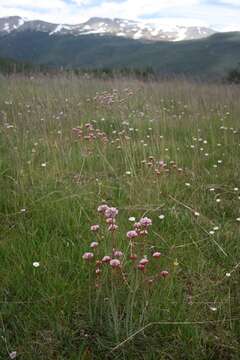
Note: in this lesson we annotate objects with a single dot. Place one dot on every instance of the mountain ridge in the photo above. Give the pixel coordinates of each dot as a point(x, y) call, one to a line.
point(105, 26)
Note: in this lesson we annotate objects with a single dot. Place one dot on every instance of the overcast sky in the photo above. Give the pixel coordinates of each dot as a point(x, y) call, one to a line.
point(220, 14)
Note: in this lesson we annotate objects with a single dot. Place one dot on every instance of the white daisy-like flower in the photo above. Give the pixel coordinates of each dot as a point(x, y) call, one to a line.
point(132, 219)
point(213, 308)
point(13, 355)
point(36, 264)
point(161, 217)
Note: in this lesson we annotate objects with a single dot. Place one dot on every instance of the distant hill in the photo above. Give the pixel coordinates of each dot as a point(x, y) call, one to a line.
point(212, 56)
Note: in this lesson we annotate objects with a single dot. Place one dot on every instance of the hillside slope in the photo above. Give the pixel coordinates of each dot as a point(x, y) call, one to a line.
point(211, 56)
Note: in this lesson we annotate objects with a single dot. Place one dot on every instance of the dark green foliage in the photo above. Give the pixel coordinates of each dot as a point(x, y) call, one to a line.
point(234, 75)
point(9, 66)
point(213, 56)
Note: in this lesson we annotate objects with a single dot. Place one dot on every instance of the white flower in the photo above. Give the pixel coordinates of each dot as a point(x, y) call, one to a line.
point(13, 355)
point(238, 219)
point(132, 219)
point(36, 264)
point(228, 274)
point(216, 228)
point(161, 217)
point(196, 213)
point(218, 200)
point(211, 232)
point(187, 184)
point(43, 164)
point(213, 308)
point(128, 172)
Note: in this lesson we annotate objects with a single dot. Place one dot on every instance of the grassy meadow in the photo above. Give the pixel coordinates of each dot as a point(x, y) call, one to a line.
point(166, 151)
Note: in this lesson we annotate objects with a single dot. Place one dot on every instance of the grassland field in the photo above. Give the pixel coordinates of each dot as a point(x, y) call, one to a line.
point(167, 151)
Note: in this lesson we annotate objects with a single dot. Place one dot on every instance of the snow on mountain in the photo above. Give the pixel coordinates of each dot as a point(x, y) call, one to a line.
point(105, 26)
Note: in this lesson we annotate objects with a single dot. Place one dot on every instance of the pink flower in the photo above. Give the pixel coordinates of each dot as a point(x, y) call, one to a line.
point(132, 234)
point(157, 254)
point(118, 253)
point(145, 221)
point(88, 256)
point(94, 244)
point(110, 221)
point(115, 263)
point(98, 271)
point(141, 267)
point(106, 259)
point(102, 208)
point(111, 212)
point(137, 225)
point(144, 261)
point(95, 227)
point(143, 232)
point(112, 227)
point(164, 273)
point(133, 257)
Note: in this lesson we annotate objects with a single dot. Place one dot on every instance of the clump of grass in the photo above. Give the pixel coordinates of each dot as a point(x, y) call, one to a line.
point(168, 152)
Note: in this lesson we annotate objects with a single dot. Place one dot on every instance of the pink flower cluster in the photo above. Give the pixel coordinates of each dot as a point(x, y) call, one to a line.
point(116, 258)
point(89, 133)
point(140, 228)
point(110, 214)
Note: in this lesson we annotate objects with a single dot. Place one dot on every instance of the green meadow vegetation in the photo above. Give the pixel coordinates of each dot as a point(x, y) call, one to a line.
point(167, 151)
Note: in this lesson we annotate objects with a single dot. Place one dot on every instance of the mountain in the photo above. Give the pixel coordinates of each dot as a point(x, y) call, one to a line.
point(105, 26)
point(209, 57)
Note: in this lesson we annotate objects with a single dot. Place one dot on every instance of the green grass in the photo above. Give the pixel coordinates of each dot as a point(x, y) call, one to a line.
point(55, 311)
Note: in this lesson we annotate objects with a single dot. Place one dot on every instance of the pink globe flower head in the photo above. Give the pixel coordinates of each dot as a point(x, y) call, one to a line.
point(88, 256)
point(112, 227)
point(144, 261)
point(117, 253)
point(132, 234)
point(133, 257)
point(95, 227)
point(106, 259)
point(94, 244)
point(110, 221)
point(102, 208)
point(98, 271)
point(164, 273)
point(141, 267)
point(143, 232)
point(115, 263)
point(157, 254)
point(145, 222)
point(111, 212)
point(137, 225)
